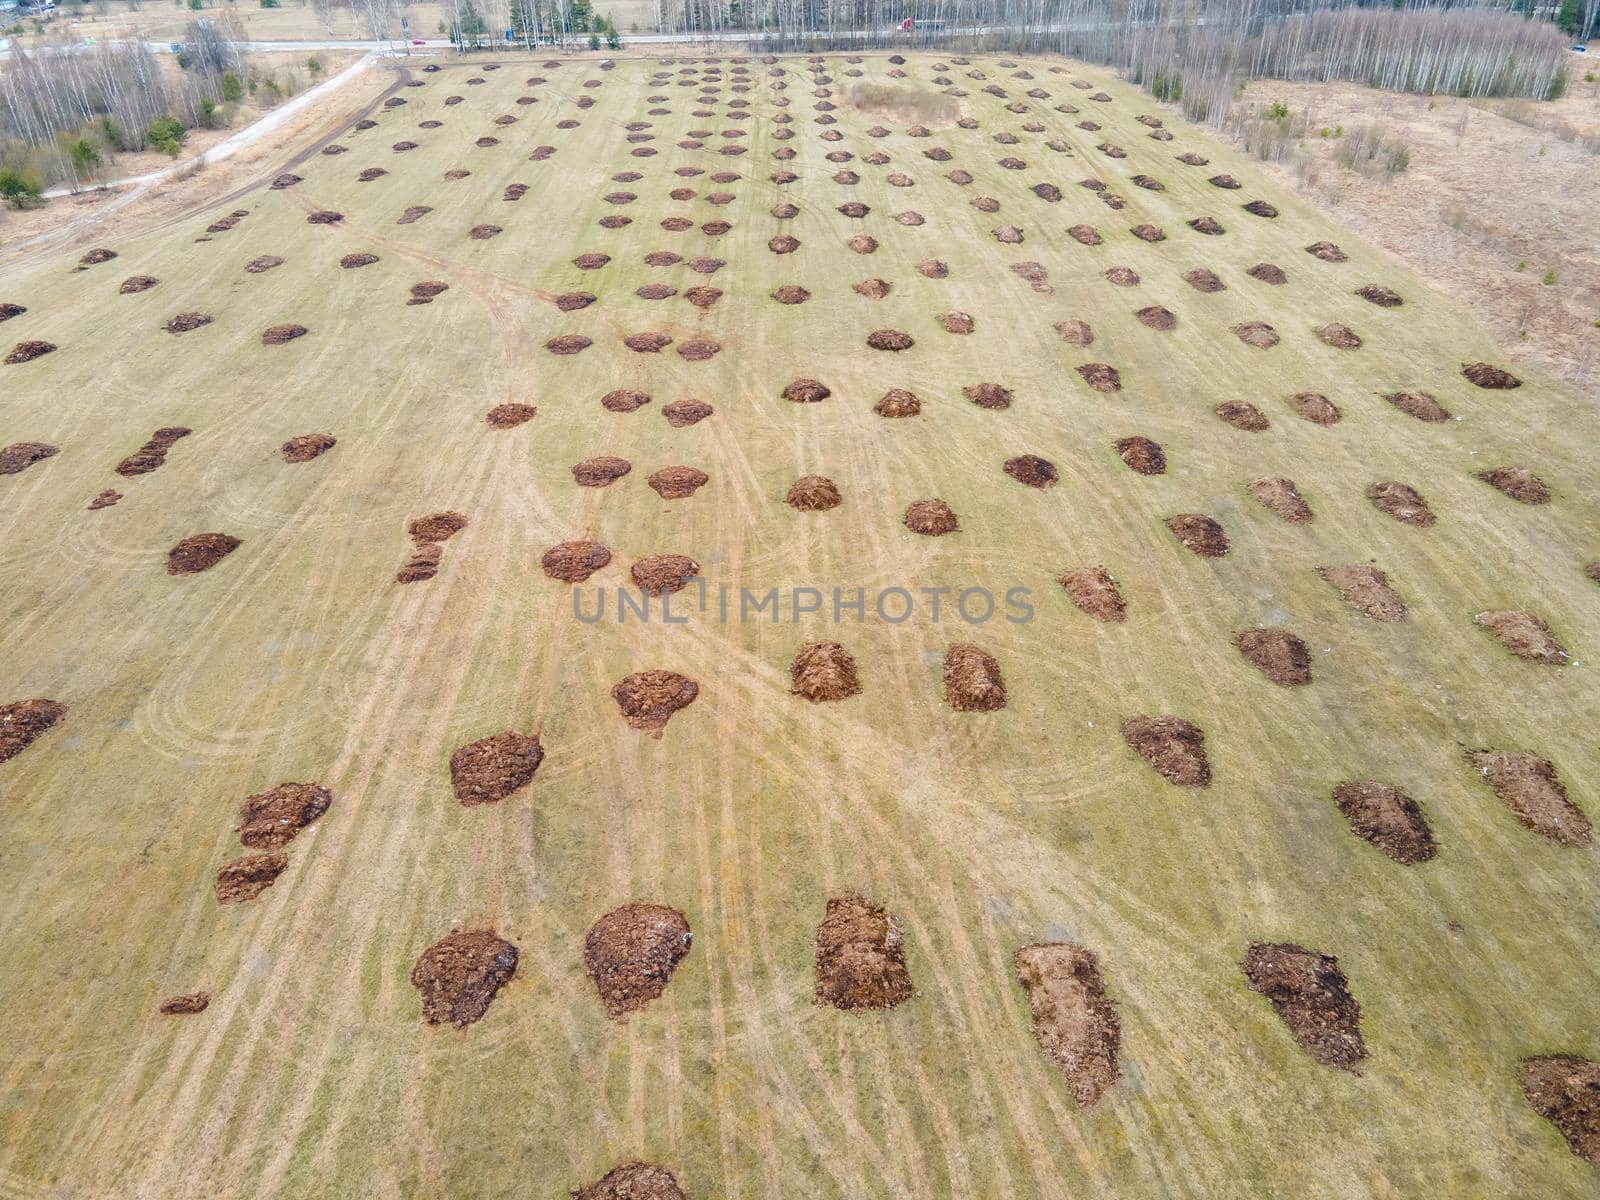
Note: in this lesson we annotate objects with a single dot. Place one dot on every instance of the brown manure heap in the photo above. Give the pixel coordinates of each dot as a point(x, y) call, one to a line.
point(19, 456)
point(930, 517)
point(824, 671)
point(630, 954)
point(1388, 818)
point(1327, 252)
point(1420, 405)
point(1095, 593)
point(1156, 317)
point(1268, 273)
point(791, 293)
point(681, 413)
point(459, 975)
point(660, 574)
point(270, 820)
point(1075, 332)
point(490, 769)
point(185, 1005)
point(23, 722)
point(1525, 635)
point(568, 343)
point(624, 400)
point(988, 395)
point(1366, 589)
point(814, 493)
point(278, 335)
point(1102, 377)
point(648, 699)
point(1402, 502)
point(1256, 333)
point(1565, 1090)
point(134, 284)
point(1199, 533)
point(1204, 280)
point(1529, 786)
point(509, 415)
point(1276, 653)
point(897, 402)
point(247, 877)
point(1316, 408)
point(972, 681)
point(860, 956)
point(1312, 996)
point(677, 483)
point(1073, 1020)
point(889, 339)
point(1486, 376)
point(1341, 337)
point(1381, 296)
point(600, 471)
point(806, 391)
point(307, 446)
point(1282, 498)
point(574, 562)
point(633, 1181)
point(1141, 455)
point(956, 322)
point(1032, 470)
point(1521, 484)
point(24, 352)
point(1174, 748)
point(199, 553)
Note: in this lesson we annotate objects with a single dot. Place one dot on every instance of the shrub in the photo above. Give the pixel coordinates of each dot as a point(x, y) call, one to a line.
point(20, 189)
point(232, 88)
point(167, 135)
point(1278, 111)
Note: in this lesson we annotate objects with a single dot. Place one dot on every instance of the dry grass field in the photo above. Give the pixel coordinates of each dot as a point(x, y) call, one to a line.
point(299, 657)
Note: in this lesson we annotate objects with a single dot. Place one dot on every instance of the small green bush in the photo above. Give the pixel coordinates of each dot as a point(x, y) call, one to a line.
point(167, 135)
point(20, 189)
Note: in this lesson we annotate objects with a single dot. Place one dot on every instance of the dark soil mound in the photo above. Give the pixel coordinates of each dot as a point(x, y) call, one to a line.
point(1341, 337)
point(1094, 591)
point(1203, 280)
point(1277, 654)
point(1148, 183)
point(137, 283)
point(647, 343)
point(1032, 470)
point(572, 301)
point(988, 395)
point(19, 456)
point(1418, 404)
point(247, 877)
point(600, 471)
point(630, 954)
point(1312, 996)
point(1403, 503)
point(616, 221)
point(889, 339)
point(104, 500)
point(931, 517)
point(413, 214)
point(1075, 1023)
point(1224, 181)
point(1282, 497)
point(660, 574)
point(860, 956)
point(1256, 333)
point(1260, 208)
point(1047, 191)
point(1521, 484)
point(624, 400)
point(1529, 786)
point(686, 412)
point(436, 527)
point(459, 975)
point(482, 233)
point(95, 257)
point(270, 820)
point(1565, 1090)
point(854, 209)
point(422, 565)
point(957, 322)
point(1122, 276)
point(510, 415)
point(28, 351)
point(277, 335)
point(897, 402)
point(492, 768)
point(633, 1181)
point(258, 266)
point(676, 483)
point(351, 261)
point(655, 291)
point(24, 721)
point(1381, 296)
point(699, 349)
point(1142, 455)
point(824, 671)
point(1008, 235)
point(863, 243)
point(1207, 225)
point(1486, 376)
point(1190, 158)
point(1175, 748)
point(791, 293)
point(806, 391)
point(705, 265)
point(370, 174)
point(1525, 635)
point(1087, 235)
point(814, 493)
point(1242, 415)
point(1199, 533)
point(1366, 589)
point(185, 1005)
point(324, 217)
point(591, 261)
point(701, 297)
point(1388, 818)
point(186, 321)
point(1327, 252)
point(972, 680)
point(1149, 233)
point(1156, 317)
point(200, 553)
point(286, 180)
point(783, 244)
point(1316, 408)
point(648, 699)
point(568, 343)
point(1268, 273)
point(1075, 332)
point(514, 192)
point(574, 562)
point(306, 446)
point(872, 289)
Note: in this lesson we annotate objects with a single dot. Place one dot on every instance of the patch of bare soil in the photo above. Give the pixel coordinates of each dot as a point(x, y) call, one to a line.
point(1282, 497)
point(104, 499)
point(860, 956)
point(24, 352)
point(630, 954)
point(1521, 484)
point(1141, 455)
point(19, 456)
point(247, 877)
point(1316, 408)
point(1312, 996)
point(270, 820)
point(1256, 333)
point(1405, 504)
point(814, 493)
point(633, 1181)
point(1199, 534)
point(199, 553)
point(1073, 1020)
point(677, 483)
point(492, 768)
point(509, 415)
point(1340, 337)
point(686, 412)
point(306, 446)
point(1276, 653)
point(648, 699)
point(1366, 589)
point(185, 1005)
point(1418, 404)
point(1242, 415)
point(1388, 818)
point(574, 562)
point(1486, 376)
point(972, 680)
point(1094, 592)
point(1032, 470)
point(23, 722)
point(1525, 635)
point(278, 335)
point(660, 574)
point(1565, 1090)
point(931, 517)
point(460, 974)
point(897, 402)
point(1530, 787)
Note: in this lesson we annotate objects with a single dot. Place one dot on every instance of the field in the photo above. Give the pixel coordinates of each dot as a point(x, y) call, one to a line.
point(299, 656)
